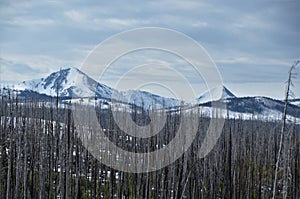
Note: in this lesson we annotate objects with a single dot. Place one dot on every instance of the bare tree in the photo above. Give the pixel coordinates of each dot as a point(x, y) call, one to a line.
point(283, 128)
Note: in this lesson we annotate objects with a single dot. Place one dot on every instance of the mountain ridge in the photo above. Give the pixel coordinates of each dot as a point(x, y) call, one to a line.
point(71, 83)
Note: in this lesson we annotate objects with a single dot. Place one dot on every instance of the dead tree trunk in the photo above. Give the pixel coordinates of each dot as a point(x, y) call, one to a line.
point(287, 94)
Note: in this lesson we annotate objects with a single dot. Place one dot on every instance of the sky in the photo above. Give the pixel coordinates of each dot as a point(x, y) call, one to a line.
point(253, 43)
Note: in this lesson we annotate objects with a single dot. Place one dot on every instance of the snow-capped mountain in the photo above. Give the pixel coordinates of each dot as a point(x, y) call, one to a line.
point(259, 108)
point(214, 95)
point(247, 107)
point(69, 82)
point(75, 86)
point(73, 83)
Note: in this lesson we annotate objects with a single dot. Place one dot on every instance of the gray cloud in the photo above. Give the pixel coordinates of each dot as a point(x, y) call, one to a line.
point(252, 41)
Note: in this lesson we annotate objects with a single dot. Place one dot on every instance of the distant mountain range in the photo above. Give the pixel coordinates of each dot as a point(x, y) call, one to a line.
point(72, 85)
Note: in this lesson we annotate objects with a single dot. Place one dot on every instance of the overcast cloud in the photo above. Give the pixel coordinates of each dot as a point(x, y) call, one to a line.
point(252, 42)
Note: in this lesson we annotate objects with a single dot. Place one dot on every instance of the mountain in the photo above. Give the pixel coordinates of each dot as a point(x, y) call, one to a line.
point(64, 81)
point(256, 107)
point(213, 95)
point(248, 107)
point(73, 83)
point(75, 86)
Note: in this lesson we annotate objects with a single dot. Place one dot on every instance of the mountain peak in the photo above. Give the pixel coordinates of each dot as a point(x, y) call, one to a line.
point(214, 94)
point(67, 70)
point(228, 93)
point(69, 82)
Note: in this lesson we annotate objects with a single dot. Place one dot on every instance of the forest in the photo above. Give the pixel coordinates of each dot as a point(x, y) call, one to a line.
point(42, 156)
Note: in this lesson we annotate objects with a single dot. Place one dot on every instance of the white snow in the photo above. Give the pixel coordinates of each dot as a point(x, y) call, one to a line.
point(81, 89)
point(147, 100)
point(295, 102)
point(69, 82)
point(268, 115)
point(215, 94)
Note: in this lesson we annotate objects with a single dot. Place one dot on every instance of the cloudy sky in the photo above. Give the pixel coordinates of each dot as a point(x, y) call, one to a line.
point(253, 43)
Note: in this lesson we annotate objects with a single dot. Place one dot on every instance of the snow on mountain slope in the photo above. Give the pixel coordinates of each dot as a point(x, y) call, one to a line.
point(72, 83)
point(69, 82)
point(295, 102)
point(147, 100)
point(266, 115)
point(213, 95)
point(258, 107)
